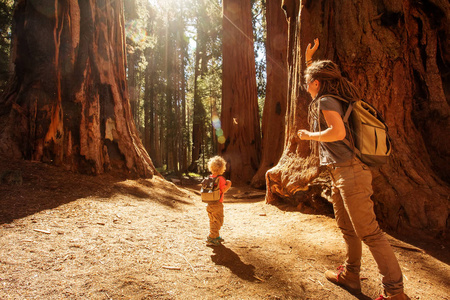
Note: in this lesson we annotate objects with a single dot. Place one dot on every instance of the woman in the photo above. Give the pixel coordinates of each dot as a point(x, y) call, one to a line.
point(351, 179)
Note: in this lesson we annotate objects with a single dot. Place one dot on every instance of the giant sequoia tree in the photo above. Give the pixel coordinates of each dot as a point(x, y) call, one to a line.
point(398, 54)
point(68, 103)
point(276, 91)
point(240, 121)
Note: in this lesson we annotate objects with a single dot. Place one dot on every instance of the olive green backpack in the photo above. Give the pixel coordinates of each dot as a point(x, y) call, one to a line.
point(369, 137)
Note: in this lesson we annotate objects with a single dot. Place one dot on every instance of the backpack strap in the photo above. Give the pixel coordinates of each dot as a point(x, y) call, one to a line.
point(349, 142)
point(347, 113)
point(349, 109)
point(216, 181)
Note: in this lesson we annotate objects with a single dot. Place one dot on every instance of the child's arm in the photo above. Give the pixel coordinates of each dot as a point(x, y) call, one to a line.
point(227, 186)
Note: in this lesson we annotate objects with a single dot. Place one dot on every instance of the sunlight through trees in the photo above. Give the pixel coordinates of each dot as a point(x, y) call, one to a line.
point(174, 51)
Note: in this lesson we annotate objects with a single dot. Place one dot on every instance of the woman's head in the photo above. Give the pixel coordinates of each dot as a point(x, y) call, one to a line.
point(323, 77)
point(217, 165)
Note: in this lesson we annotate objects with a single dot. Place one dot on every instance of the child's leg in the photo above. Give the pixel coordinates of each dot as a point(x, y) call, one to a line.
point(215, 214)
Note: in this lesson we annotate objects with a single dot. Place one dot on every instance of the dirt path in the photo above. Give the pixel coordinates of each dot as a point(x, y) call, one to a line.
point(65, 236)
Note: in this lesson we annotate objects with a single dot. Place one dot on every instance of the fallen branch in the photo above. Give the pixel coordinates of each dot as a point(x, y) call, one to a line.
point(323, 286)
point(320, 283)
point(171, 268)
point(42, 231)
point(187, 262)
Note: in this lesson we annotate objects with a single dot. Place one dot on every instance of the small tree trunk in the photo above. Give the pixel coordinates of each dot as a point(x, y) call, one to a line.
point(132, 85)
point(147, 113)
point(198, 125)
point(184, 136)
point(156, 126)
point(168, 113)
point(68, 102)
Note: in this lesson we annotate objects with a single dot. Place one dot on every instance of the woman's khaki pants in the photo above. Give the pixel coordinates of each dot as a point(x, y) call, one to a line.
point(353, 209)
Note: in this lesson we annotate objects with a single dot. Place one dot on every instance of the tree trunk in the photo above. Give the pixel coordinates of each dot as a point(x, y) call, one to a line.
point(133, 85)
point(276, 91)
point(156, 121)
point(198, 125)
point(68, 102)
point(398, 55)
point(147, 112)
point(200, 67)
point(168, 114)
point(240, 120)
point(184, 136)
point(178, 133)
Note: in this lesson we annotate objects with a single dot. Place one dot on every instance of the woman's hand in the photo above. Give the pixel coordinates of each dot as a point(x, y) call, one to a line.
point(334, 132)
point(310, 51)
point(304, 134)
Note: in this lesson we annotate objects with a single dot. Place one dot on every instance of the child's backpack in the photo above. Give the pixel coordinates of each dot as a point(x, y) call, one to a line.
point(369, 136)
point(210, 189)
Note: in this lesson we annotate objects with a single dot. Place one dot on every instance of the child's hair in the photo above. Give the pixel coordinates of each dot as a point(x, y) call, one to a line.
point(217, 165)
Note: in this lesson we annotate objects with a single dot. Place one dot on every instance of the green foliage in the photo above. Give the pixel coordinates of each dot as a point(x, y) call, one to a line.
point(6, 9)
point(259, 31)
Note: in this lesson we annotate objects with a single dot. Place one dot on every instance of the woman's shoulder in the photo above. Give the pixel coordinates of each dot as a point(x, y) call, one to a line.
point(329, 98)
point(329, 102)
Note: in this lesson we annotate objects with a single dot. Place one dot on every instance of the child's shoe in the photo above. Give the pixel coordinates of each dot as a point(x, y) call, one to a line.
point(348, 280)
point(213, 241)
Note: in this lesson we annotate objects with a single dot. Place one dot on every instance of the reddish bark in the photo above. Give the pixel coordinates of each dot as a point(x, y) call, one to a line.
point(397, 54)
point(240, 121)
point(273, 122)
point(68, 102)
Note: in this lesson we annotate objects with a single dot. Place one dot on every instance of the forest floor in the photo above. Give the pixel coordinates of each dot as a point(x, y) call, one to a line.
point(69, 236)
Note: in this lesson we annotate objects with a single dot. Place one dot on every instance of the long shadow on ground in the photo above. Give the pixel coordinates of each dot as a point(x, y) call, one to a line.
point(226, 257)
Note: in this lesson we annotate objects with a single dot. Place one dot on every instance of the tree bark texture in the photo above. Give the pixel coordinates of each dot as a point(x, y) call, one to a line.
point(274, 113)
point(239, 118)
point(68, 102)
point(398, 54)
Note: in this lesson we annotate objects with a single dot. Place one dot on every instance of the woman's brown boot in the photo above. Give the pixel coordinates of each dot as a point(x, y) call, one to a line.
point(350, 281)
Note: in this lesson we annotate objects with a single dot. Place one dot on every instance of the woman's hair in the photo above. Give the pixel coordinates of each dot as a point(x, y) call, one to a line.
point(331, 81)
point(217, 165)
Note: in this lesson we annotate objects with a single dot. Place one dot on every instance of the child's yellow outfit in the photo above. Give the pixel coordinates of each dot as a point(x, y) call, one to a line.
point(215, 211)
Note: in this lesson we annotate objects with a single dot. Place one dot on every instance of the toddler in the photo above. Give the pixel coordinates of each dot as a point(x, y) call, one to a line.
point(217, 166)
